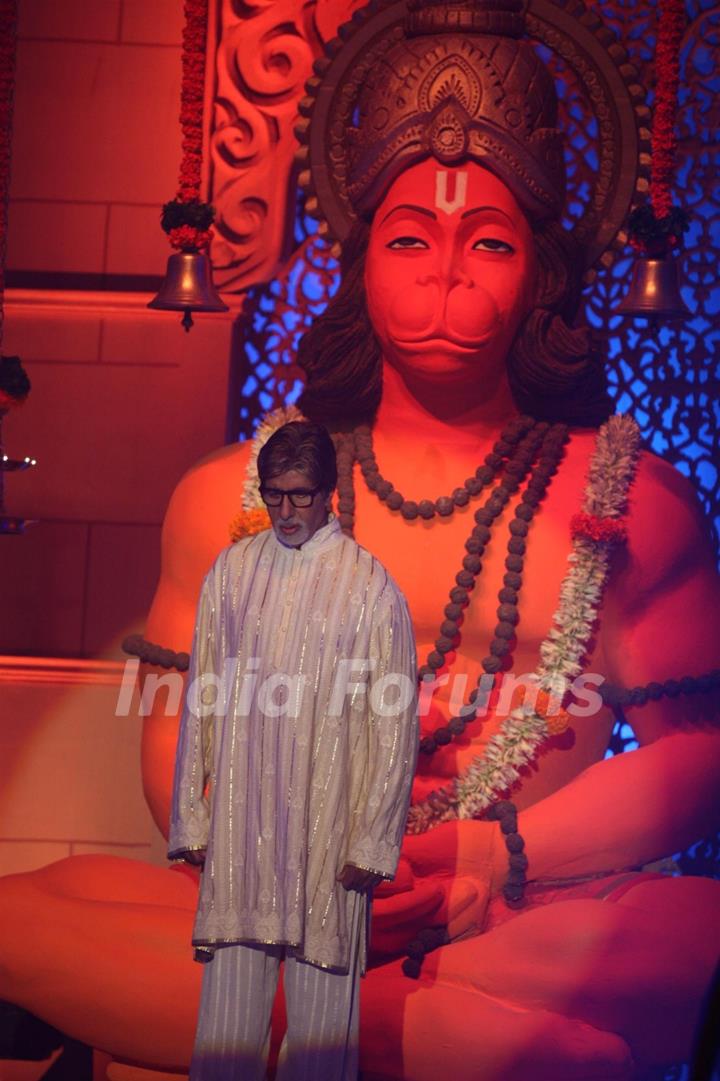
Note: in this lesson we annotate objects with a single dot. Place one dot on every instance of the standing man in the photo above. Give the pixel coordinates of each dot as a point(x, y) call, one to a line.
point(292, 781)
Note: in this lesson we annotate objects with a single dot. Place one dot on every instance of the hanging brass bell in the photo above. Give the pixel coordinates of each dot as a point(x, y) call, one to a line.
point(654, 291)
point(188, 287)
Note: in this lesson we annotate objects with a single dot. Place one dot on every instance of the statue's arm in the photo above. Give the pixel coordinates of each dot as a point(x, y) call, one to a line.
point(660, 620)
point(195, 529)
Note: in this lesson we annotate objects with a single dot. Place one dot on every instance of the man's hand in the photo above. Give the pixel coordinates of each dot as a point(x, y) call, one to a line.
point(197, 858)
point(355, 878)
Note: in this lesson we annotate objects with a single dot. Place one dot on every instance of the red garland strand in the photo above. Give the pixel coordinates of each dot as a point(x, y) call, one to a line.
point(188, 238)
point(671, 24)
point(606, 530)
point(8, 44)
point(192, 99)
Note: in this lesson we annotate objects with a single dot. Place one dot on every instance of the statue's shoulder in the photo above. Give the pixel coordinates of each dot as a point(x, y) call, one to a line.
point(656, 488)
point(662, 494)
point(212, 489)
point(668, 531)
point(227, 463)
point(202, 507)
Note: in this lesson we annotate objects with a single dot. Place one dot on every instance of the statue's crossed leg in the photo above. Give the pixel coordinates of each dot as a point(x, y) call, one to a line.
point(547, 996)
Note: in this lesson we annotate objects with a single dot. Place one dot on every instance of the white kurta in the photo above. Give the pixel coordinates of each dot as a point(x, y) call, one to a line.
point(283, 801)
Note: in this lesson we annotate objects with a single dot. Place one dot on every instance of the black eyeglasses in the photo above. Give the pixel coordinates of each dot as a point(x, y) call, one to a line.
point(299, 497)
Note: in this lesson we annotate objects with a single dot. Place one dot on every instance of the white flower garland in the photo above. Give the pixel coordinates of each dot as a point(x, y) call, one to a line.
point(269, 424)
point(522, 734)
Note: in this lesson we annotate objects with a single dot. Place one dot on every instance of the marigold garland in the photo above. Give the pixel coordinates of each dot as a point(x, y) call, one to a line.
point(187, 219)
point(671, 24)
point(8, 51)
point(248, 522)
point(591, 527)
point(14, 383)
point(192, 98)
point(187, 238)
point(657, 228)
point(8, 402)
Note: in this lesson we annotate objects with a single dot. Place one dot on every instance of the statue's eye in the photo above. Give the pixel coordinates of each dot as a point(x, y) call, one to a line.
point(402, 242)
point(489, 243)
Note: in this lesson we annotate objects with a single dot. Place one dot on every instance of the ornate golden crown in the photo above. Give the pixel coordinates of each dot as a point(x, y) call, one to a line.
point(458, 81)
point(455, 96)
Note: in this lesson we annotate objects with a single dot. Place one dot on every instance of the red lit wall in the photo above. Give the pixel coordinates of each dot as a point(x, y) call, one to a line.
point(123, 401)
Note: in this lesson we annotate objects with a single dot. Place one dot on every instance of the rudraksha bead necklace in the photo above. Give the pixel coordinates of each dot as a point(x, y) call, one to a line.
point(515, 450)
point(551, 450)
point(445, 504)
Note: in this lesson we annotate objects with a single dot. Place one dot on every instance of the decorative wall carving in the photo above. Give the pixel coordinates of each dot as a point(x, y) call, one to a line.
point(264, 55)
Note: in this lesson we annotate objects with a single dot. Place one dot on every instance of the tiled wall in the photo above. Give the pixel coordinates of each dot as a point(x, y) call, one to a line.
point(123, 401)
point(96, 139)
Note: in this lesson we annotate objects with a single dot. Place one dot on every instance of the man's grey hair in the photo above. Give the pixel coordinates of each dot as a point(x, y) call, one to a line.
point(303, 446)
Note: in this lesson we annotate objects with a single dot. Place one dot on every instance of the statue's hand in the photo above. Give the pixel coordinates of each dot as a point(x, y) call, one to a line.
point(464, 847)
point(444, 878)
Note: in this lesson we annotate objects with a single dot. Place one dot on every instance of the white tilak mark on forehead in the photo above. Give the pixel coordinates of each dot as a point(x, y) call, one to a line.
point(444, 198)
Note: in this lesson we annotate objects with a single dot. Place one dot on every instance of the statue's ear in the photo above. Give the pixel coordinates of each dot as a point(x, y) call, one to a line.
point(559, 270)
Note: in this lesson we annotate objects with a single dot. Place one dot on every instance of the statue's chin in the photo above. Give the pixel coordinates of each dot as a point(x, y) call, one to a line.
point(439, 360)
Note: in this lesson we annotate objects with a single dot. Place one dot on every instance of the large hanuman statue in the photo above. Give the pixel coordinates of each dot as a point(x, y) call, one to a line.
point(545, 559)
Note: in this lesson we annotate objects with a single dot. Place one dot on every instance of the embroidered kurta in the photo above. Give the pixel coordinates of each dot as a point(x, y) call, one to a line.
point(298, 740)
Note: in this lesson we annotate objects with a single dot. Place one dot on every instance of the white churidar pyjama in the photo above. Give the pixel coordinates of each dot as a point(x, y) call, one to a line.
point(238, 991)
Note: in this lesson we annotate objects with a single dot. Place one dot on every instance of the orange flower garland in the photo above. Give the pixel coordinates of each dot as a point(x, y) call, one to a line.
point(249, 522)
point(187, 219)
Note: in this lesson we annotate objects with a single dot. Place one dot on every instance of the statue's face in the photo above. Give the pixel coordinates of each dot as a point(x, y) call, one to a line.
point(450, 271)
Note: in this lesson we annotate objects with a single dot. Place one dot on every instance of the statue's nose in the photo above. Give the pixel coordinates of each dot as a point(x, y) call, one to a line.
point(446, 280)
